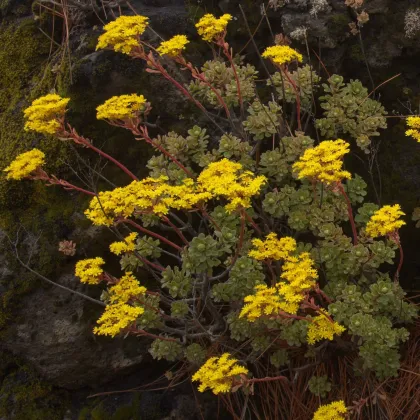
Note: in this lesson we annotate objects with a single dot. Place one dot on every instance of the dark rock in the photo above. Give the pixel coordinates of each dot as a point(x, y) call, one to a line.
point(53, 333)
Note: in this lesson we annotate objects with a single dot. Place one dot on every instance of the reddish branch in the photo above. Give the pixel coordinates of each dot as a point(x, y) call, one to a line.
point(350, 212)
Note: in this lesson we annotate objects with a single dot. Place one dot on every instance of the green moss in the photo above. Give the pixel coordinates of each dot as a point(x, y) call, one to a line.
point(102, 411)
point(24, 75)
point(24, 396)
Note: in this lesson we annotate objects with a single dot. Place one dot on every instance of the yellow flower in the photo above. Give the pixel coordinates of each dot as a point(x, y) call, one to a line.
point(323, 163)
point(272, 248)
point(218, 374)
point(127, 288)
point(121, 107)
point(301, 277)
point(24, 164)
point(123, 34)
point(321, 328)
point(128, 245)
point(414, 124)
point(210, 28)
point(226, 179)
point(116, 318)
point(150, 195)
point(282, 54)
point(264, 302)
point(44, 113)
point(285, 296)
point(384, 221)
point(333, 411)
point(89, 270)
point(174, 46)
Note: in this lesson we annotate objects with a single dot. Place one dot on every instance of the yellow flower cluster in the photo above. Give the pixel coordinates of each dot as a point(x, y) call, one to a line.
point(282, 54)
point(264, 302)
point(286, 296)
point(123, 34)
point(300, 276)
point(174, 46)
point(121, 107)
point(43, 114)
point(116, 318)
point(414, 124)
point(272, 248)
point(150, 195)
point(127, 288)
point(24, 164)
point(119, 314)
point(384, 221)
point(321, 328)
point(218, 374)
point(210, 28)
point(222, 179)
point(90, 270)
point(333, 411)
point(127, 245)
point(225, 179)
point(324, 163)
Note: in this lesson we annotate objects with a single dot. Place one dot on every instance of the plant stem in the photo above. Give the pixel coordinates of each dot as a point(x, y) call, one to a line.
point(397, 274)
point(291, 81)
point(85, 142)
point(149, 232)
point(176, 229)
point(225, 48)
point(142, 131)
point(350, 213)
point(267, 379)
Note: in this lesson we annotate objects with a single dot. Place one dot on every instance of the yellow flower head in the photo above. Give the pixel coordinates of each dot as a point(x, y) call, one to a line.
point(127, 245)
point(282, 54)
point(301, 276)
point(264, 302)
point(321, 328)
point(116, 318)
point(123, 34)
point(127, 288)
point(218, 374)
point(226, 179)
point(90, 270)
point(174, 46)
point(272, 248)
point(150, 195)
point(121, 107)
point(44, 113)
point(384, 221)
point(333, 411)
point(298, 278)
point(324, 163)
point(414, 124)
point(24, 164)
point(210, 28)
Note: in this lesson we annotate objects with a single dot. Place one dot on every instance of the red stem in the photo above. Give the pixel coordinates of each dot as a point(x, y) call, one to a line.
point(143, 132)
point(350, 212)
point(85, 142)
point(267, 379)
point(147, 334)
point(249, 218)
point(176, 229)
point(200, 76)
point(232, 64)
point(149, 232)
point(291, 81)
point(397, 274)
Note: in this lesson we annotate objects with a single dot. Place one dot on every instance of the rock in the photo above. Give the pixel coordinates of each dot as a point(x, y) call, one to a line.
point(53, 333)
